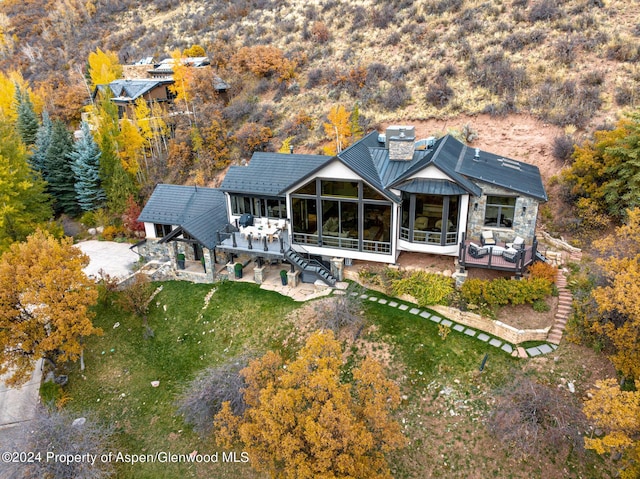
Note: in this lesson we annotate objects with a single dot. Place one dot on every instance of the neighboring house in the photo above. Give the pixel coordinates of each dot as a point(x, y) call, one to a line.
point(381, 196)
point(124, 93)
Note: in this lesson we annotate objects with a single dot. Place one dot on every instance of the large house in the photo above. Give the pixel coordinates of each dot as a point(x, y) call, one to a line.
point(385, 194)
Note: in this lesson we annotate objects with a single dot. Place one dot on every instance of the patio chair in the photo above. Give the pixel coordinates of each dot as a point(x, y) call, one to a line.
point(487, 239)
point(518, 243)
point(477, 251)
point(510, 255)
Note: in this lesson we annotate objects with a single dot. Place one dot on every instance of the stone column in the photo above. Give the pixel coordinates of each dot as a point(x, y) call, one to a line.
point(258, 274)
point(231, 272)
point(293, 278)
point(208, 264)
point(337, 268)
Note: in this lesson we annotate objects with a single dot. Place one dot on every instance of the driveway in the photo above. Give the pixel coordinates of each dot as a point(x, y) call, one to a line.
point(115, 259)
point(18, 404)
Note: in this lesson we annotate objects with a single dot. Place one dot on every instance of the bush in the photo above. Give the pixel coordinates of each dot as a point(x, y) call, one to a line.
point(426, 288)
point(544, 271)
point(544, 10)
point(342, 312)
point(439, 94)
point(112, 232)
point(396, 96)
point(541, 306)
point(562, 147)
point(501, 292)
point(203, 397)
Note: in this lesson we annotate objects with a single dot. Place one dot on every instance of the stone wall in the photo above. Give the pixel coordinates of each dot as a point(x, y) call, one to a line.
point(524, 224)
point(152, 250)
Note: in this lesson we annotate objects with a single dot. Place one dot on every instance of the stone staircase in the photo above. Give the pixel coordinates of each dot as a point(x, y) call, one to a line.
point(565, 302)
point(310, 268)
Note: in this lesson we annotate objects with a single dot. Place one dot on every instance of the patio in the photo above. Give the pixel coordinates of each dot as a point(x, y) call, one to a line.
point(495, 259)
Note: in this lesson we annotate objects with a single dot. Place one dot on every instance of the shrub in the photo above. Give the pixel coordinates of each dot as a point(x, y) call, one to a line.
point(88, 219)
point(342, 312)
point(439, 94)
point(544, 10)
point(540, 306)
point(543, 270)
point(203, 397)
point(426, 288)
point(472, 290)
point(112, 232)
point(562, 147)
point(396, 96)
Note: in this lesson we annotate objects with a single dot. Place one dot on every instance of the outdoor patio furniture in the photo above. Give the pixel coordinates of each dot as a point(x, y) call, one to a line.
point(486, 237)
point(518, 243)
point(510, 255)
point(477, 251)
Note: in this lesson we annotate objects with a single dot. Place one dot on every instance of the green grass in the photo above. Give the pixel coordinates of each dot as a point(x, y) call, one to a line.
point(121, 365)
point(436, 378)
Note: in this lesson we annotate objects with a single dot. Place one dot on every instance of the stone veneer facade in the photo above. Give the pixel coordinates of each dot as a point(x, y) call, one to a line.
point(524, 224)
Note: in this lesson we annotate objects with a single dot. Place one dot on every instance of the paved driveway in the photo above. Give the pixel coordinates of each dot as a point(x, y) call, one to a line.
point(18, 404)
point(115, 259)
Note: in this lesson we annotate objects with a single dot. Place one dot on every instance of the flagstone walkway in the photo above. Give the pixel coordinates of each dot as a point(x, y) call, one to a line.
point(516, 351)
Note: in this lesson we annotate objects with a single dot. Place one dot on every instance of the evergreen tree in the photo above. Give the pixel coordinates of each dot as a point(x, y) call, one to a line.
point(85, 163)
point(27, 123)
point(58, 172)
point(42, 142)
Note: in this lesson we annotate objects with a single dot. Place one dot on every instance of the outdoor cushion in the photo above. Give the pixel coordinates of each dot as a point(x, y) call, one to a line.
point(477, 251)
point(510, 254)
point(421, 223)
point(487, 238)
point(518, 243)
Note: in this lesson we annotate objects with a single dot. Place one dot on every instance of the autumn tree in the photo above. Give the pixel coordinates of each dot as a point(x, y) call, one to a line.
point(264, 61)
point(136, 297)
point(303, 421)
point(85, 159)
point(617, 413)
point(45, 304)
point(182, 75)
point(606, 170)
point(23, 202)
point(252, 137)
point(104, 67)
point(194, 51)
point(617, 301)
point(130, 216)
point(338, 129)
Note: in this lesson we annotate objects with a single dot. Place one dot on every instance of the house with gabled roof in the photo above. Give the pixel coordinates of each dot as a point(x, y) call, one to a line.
point(124, 93)
point(385, 194)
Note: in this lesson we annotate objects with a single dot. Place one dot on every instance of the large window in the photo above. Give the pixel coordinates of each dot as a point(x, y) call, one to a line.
point(500, 211)
point(259, 207)
point(431, 219)
point(342, 214)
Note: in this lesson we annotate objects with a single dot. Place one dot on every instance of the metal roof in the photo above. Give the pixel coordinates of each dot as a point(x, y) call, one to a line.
point(130, 90)
point(431, 187)
point(269, 174)
point(199, 211)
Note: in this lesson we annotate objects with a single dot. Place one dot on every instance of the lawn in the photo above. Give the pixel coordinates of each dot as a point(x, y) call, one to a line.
point(445, 396)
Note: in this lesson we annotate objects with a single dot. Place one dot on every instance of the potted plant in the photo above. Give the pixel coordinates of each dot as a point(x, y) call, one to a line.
point(181, 260)
point(283, 277)
point(238, 270)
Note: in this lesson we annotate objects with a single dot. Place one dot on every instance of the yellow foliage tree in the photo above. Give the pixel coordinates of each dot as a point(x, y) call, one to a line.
point(130, 145)
point(338, 129)
point(194, 51)
point(617, 413)
point(104, 67)
point(182, 76)
point(45, 304)
point(303, 422)
point(621, 265)
point(8, 106)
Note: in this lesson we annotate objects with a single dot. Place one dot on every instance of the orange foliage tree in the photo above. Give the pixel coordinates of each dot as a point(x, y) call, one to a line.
point(45, 304)
point(302, 421)
point(264, 61)
point(617, 413)
point(621, 265)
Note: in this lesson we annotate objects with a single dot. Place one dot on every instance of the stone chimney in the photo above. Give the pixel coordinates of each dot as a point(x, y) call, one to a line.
point(400, 142)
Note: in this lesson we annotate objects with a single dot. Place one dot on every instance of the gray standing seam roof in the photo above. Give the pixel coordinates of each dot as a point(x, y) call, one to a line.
point(270, 174)
point(431, 187)
point(199, 211)
point(131, 89)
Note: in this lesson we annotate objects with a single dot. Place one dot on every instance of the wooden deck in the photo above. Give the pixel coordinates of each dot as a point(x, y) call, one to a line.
point(494, 259)
point(239, 244)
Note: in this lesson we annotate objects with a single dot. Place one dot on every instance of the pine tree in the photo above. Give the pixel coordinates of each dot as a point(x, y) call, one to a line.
point(42, 142)
point(27, 123)
point(58, 172)
point(85, 159)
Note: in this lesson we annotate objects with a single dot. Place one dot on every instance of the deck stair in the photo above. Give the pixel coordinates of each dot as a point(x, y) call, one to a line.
point(310, 268)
